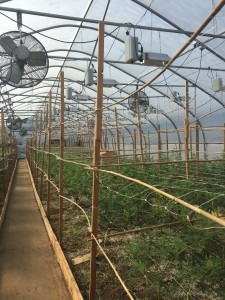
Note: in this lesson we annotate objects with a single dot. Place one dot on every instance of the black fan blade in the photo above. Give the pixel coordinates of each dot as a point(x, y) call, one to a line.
point(25, 120)
point(14, 74)
point(8, 44)
point(37, 59)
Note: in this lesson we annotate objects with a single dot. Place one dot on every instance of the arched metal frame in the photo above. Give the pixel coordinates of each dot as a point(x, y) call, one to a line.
point(178, 30)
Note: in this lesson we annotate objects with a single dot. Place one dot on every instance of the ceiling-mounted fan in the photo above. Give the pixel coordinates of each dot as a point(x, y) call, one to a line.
point(14, 122)
point(139, 99)
point(23, 131)
point(25, 62)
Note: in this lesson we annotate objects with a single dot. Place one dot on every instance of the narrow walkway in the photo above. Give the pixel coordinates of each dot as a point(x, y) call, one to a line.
point(28, 266)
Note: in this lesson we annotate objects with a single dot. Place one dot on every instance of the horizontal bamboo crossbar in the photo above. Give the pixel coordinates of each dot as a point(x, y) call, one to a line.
point(173, 198)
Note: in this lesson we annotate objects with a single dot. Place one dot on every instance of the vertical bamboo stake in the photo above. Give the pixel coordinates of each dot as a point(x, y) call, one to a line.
point(105, 144)
point(159, 142)
point(3, 152)
point(140, 132)
point(123, 139)
point(135, 145)
point(197, 151)
point(224, 140)
point(191, 150)
point(167, 144)
point(61, 163)
point(49, 155)
point(96, 161)
point(31, 156)
point(35, 152)
point(88, 136)
point(149, 146)
point(117, 137)
point(186, 129)
point(39, 148)
point(43, 154)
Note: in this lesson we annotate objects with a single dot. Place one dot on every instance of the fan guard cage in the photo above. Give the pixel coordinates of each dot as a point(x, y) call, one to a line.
point(142, 99)
point(14, 122)
point(32, 75)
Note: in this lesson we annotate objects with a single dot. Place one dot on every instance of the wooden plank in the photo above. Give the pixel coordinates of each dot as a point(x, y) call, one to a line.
point(6, 200)
point(81, 259)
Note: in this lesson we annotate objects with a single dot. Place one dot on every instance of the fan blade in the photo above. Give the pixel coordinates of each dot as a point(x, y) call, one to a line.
point(37, 59)
point(14, 74)
point(25, 120)
point(8, 44)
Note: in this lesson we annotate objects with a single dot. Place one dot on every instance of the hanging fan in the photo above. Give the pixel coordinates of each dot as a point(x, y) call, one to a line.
point(25, 62)
point(139, 98)
point(14, 122)
point(23, 131)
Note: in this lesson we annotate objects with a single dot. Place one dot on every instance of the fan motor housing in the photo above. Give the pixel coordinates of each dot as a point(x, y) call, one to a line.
point(21, 53)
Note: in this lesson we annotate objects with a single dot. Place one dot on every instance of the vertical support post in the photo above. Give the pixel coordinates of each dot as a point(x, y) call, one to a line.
point(35, 151)
point(186, 129)
point(3, 152)
point(191, 146)
point(39, 148)
point(159, 143)
point(61, 163)
point(197, 151)
point(105, 143)
point(135, 145)
point(123, 139)
point(117, 137)
point(167, 144)
point(149, 146)
point(224, 141)
point(88, 136)
point(43, 154)
point(96, 161)
point(140, 132)
point(49, 155)
point(31, 156)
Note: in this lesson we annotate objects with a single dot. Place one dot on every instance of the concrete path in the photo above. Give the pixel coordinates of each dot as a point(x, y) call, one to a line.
point(28, 266)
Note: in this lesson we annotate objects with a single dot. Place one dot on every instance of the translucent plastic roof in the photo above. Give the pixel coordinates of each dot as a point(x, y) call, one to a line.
point(68, 30)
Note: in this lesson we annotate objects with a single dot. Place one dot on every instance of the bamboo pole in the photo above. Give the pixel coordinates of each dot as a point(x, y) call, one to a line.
point(3, 153)
point(31, 156)
point(88, 133)
point(117, 137)
point(197, 151)
point(140, 131)
point(186, 128)
point(61, 163)
point(149, 146)
point(105, 144)
point(224, 139)
point(39, 148)
point(43, 155)
point(159, 143)
point(49, 156)
point(167, 144)
point(191, 146)
point(35, 153)
point(123, 139)
point(171, 197)
point(135, 146)
point(96, 161)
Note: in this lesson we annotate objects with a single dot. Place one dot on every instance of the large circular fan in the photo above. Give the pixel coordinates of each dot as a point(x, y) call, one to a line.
point(24, 61)
point(141, 99)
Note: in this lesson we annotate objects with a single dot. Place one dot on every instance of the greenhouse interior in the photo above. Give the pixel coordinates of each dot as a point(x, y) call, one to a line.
point(113, 147)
